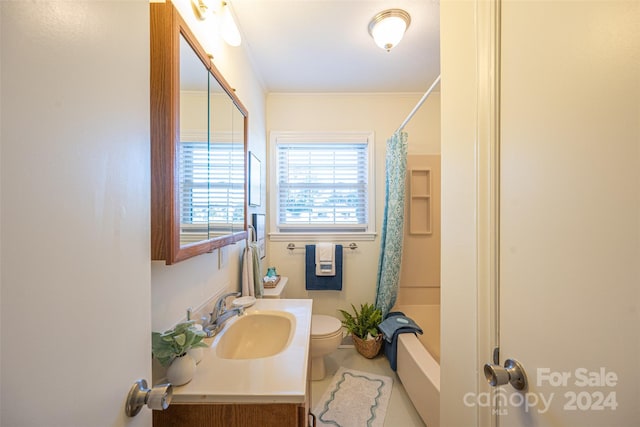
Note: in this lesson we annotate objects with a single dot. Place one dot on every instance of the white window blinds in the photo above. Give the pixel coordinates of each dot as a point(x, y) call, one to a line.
point(211, 183)
point(323, 186)
point(194, 183)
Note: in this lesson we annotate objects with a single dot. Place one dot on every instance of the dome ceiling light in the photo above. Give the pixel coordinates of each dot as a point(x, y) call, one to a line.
point(388, 27)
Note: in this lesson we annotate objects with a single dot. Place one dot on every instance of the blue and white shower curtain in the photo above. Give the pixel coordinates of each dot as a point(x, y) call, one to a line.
point(392, 223)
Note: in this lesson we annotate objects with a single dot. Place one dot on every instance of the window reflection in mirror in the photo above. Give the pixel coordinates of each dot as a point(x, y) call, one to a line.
point(211, 166)
point(222, 161)
point(238, 171)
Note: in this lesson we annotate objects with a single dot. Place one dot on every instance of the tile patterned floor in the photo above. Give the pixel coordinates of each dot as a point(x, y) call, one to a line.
point(400, 412)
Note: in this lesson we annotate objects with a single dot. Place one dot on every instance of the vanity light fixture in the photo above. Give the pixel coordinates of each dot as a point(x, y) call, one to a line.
point(227, 27)
point(388, 27)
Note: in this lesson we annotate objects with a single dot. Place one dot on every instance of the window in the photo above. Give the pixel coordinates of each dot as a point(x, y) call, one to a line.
point(323, 183)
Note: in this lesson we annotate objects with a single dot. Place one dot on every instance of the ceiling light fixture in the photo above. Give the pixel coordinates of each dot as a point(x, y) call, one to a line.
point(388, 27)
point(227, 27)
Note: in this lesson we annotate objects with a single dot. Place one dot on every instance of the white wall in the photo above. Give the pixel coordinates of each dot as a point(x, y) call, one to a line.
point(190, 283)
point(1, 137)
point(380, 113)
point(459, 245)
point(75, 284)
point(465, 41)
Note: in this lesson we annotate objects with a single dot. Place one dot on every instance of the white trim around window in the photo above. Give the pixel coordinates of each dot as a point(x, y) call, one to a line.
point(340, 204)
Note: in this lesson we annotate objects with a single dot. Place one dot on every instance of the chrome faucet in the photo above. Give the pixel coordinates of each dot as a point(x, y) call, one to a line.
point(220, 314)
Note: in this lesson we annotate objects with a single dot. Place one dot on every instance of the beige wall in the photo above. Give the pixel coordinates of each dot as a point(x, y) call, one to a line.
point(190, 283)
point(459, 369)
point(380, 113)
point(420, 270)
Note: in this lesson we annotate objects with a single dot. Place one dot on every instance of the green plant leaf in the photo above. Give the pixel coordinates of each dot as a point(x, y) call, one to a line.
point(168, 345)
point(362, 322)
point(180, 339)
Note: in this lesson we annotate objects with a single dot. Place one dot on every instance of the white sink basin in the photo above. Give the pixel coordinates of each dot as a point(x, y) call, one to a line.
point(256, 335)
point(280, 377)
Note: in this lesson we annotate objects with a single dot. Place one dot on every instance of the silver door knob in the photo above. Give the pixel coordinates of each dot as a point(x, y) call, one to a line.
point(512, 373)
point(156, 398)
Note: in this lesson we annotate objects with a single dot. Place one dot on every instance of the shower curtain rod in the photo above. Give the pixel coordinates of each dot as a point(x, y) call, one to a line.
point(419, 104)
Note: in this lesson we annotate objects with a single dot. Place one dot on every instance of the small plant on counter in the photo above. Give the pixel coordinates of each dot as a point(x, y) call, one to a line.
point(175, 342)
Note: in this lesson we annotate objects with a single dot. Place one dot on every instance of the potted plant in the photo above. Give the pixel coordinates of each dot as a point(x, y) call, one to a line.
point(363, 326)
point(171, 348)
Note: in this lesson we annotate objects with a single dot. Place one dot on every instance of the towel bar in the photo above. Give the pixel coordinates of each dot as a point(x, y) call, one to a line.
point(292, 246)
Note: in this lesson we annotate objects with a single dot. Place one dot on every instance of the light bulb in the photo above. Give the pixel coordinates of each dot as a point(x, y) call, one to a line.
point(228, 28)
point(388, 32)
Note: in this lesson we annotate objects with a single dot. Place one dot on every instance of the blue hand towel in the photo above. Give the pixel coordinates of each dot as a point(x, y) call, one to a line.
point(322, 283)
point(396, 323)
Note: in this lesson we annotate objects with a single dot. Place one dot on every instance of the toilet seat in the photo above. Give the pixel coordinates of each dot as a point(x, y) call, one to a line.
point(323, 326)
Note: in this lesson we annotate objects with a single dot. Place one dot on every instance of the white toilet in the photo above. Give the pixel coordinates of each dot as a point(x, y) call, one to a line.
point(326, 333)
point(326, 336)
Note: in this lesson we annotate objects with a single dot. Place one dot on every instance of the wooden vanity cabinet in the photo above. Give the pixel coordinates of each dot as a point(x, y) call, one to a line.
point(239, 414)
point(232, 415)
point(236, 414)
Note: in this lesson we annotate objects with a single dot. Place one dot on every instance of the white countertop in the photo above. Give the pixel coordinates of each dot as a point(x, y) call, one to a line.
point(280, 378)
point(277, 291)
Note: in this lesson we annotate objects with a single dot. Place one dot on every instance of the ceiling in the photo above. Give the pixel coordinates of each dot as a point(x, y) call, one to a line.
point(324, 45)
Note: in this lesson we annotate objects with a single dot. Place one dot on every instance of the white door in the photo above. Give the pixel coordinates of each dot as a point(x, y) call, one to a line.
point(570, 212)
point(75, 211)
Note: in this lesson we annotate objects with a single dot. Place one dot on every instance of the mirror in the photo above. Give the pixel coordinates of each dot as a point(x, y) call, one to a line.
point(198, 146)
point(239, 171)
point(222, 160)
point(193, 147)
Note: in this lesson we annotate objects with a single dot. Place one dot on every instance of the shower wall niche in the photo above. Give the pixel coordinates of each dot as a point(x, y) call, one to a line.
point(420, 270)
point(419, 199)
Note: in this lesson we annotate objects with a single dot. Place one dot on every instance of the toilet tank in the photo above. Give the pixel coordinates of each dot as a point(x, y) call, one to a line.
point(278, 291)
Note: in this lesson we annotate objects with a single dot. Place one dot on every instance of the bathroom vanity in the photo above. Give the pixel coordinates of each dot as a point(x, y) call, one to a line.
point(233, 388)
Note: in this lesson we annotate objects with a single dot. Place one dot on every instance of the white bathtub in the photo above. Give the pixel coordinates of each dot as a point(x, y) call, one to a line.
point(419, 361)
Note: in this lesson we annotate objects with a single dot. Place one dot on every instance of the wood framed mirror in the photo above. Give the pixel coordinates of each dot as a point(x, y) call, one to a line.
point(198, 146)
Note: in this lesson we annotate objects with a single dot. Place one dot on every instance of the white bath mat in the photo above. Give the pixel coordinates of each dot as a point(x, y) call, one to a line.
point(354, 399)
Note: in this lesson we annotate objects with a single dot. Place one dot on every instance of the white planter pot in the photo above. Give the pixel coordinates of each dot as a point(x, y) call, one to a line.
point(181, 370)
point(196, 354)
